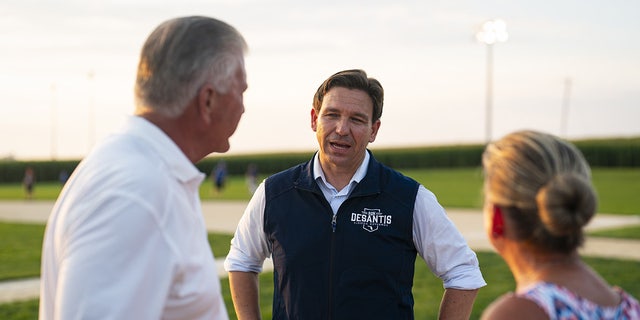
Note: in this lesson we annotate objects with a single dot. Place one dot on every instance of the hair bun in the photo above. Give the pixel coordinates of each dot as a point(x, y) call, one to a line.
point(566, 204)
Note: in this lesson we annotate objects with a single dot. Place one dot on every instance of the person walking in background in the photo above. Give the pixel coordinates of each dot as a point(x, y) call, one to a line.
point(252, 177)
point(343, 230)
point(219, 176)
point(538, 198)
point(29, 182)
point(126, 238)
point(63, 176)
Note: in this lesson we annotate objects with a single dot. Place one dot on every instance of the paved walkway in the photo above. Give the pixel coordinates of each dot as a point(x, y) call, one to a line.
point(223, 216)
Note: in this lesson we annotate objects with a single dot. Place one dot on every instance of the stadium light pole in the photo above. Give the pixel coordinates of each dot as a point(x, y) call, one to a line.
point(564, 118)
point(491, 32)
point(54, 123)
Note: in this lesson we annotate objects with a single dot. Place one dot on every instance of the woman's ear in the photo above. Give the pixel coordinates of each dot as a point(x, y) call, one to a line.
point(497, 222)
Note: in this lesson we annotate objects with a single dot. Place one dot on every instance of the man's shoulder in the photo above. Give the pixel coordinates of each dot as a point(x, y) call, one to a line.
point(391, 174)
point(120, 162)
point(299, 176)
point(289, 173)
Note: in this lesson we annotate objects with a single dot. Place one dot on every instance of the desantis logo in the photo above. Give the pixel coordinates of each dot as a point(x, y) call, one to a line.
point(371, 219)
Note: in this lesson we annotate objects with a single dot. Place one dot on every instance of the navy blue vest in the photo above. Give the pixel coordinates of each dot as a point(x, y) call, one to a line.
point(361, 266)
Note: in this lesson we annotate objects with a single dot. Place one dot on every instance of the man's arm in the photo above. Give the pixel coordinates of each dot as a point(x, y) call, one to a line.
point(457, 304)
point(244, 292)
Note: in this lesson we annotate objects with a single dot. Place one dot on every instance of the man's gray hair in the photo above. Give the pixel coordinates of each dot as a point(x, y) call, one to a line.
point(180, 56)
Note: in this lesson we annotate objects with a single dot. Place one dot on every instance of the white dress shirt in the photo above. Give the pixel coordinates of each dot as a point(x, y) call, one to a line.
point(126, 238)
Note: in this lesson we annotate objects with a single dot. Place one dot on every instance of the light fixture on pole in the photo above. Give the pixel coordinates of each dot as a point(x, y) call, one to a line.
point(492, 31)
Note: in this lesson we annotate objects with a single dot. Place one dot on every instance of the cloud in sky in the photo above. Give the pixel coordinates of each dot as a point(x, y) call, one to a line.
point(423, 52)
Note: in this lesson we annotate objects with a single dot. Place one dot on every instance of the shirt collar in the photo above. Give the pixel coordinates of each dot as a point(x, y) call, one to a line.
point(357, 176)
point(164, 147)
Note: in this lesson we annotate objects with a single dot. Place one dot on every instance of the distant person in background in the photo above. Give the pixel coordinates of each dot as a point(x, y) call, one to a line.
point(344, 230)
point(126, 239)
point(63, 176)
point(29, 182)
point(538, 198)
point(252, 177)
point(219, 176)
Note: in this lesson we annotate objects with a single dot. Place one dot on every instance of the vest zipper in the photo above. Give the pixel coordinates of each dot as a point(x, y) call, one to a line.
point(333, 222)
point(331, 257)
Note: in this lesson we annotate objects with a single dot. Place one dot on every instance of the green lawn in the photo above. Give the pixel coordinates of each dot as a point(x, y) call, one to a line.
point(455, 188)
point(617, 188)
point(631, 232)
point(427, 288)
point(20, 250)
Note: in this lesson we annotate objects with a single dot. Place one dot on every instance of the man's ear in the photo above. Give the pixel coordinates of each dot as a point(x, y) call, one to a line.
point(374, 130)
point(206, 102)
point(497, 222)
point(314, 119)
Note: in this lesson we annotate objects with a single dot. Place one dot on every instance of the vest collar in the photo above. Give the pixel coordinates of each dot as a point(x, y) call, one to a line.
point(370, 183)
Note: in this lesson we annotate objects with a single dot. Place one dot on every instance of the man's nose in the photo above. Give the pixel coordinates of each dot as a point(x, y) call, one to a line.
point(342, 127)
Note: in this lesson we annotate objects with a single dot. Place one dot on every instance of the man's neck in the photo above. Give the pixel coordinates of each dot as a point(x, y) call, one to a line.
point(338, 176)
point(176, 132)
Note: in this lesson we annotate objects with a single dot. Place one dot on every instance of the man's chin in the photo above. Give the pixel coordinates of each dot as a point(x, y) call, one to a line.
point(222, 147)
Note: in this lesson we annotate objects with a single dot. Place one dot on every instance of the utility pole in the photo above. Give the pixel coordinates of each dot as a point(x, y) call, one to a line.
point(564, 117)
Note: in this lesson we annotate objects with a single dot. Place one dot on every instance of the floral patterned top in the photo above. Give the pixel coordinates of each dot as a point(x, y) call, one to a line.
point(560, 303)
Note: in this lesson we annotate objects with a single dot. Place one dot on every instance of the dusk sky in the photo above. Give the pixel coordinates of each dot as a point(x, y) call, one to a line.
point(67, 68)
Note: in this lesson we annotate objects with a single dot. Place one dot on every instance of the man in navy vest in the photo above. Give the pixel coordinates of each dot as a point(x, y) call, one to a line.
point(344, 230)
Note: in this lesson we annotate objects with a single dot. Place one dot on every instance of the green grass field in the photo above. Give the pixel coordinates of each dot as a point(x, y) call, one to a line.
point(617, 188)
point(20, 250)
point(630, 232)
point(427, 288)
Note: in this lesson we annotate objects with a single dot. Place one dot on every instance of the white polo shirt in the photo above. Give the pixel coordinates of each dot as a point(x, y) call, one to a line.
point(126, 238)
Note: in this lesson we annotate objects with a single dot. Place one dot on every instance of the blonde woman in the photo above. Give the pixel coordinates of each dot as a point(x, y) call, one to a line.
point(538, 198)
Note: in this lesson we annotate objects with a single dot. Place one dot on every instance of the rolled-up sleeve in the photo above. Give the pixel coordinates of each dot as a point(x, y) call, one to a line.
point(249, 247)
point(442, 246)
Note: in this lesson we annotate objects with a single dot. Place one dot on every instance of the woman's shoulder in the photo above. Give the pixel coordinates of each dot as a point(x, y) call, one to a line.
point(509, 304)
point(629, 304)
